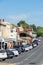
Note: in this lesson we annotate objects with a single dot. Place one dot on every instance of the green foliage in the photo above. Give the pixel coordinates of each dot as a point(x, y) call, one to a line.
point(23, 24)
point(39, 34)
point(34, 27)
point(39, 31)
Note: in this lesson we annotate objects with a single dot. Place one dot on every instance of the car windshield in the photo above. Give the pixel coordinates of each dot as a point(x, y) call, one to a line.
point(7, 50)
point(13, 49)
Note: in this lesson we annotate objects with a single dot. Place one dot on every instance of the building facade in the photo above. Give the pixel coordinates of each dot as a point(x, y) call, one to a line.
point(4, 28)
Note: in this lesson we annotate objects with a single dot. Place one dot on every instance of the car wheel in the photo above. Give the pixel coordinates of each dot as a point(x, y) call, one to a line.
point(33, 46)
point(3, 59)
point(26, 50)
point(37, 44)
point(11, 57)
point(16, 55)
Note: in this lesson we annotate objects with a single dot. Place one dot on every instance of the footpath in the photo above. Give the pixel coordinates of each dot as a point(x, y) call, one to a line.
point(2, 63)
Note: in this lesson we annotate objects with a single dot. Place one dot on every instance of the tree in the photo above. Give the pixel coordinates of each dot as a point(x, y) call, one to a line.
point(34, 27)
point(23, 24)
point(39, 31)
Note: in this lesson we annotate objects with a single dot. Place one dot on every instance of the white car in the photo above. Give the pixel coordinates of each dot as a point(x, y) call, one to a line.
point(3, 55)
point(39, 40)
point(30, 47)
point(16, 53)
point(34, 45)
point(27, 47)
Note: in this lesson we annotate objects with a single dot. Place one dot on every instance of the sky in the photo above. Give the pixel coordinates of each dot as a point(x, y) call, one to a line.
point(30, 11)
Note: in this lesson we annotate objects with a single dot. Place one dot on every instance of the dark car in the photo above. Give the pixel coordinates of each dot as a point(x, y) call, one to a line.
point(22, 48)
point(10, 54)
point(35, 43)
point(19, 48)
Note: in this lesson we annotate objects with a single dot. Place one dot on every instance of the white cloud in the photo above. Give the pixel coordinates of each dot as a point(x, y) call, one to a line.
point(18, 17)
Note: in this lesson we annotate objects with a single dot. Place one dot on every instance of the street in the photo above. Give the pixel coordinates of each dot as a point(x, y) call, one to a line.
point(32, 57)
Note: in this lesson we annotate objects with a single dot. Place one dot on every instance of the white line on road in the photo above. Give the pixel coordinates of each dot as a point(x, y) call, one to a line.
point(28, 57)
point(13, 64)
point(42, 64)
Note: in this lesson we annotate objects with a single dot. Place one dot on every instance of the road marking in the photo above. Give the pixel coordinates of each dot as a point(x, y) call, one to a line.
point(28, 57)
point(13, 64)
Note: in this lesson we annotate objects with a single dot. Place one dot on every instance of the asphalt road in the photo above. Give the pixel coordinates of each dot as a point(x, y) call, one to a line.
point(32, 57)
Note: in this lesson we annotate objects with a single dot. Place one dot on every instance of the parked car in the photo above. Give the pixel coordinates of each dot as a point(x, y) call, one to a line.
point(30, 46)
point(22, 48)
point(18, 49)
point(26, 47)
point(16, 53)
point(10, 54)
point(35, 43)
point(3, 55)
point(39, 40)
